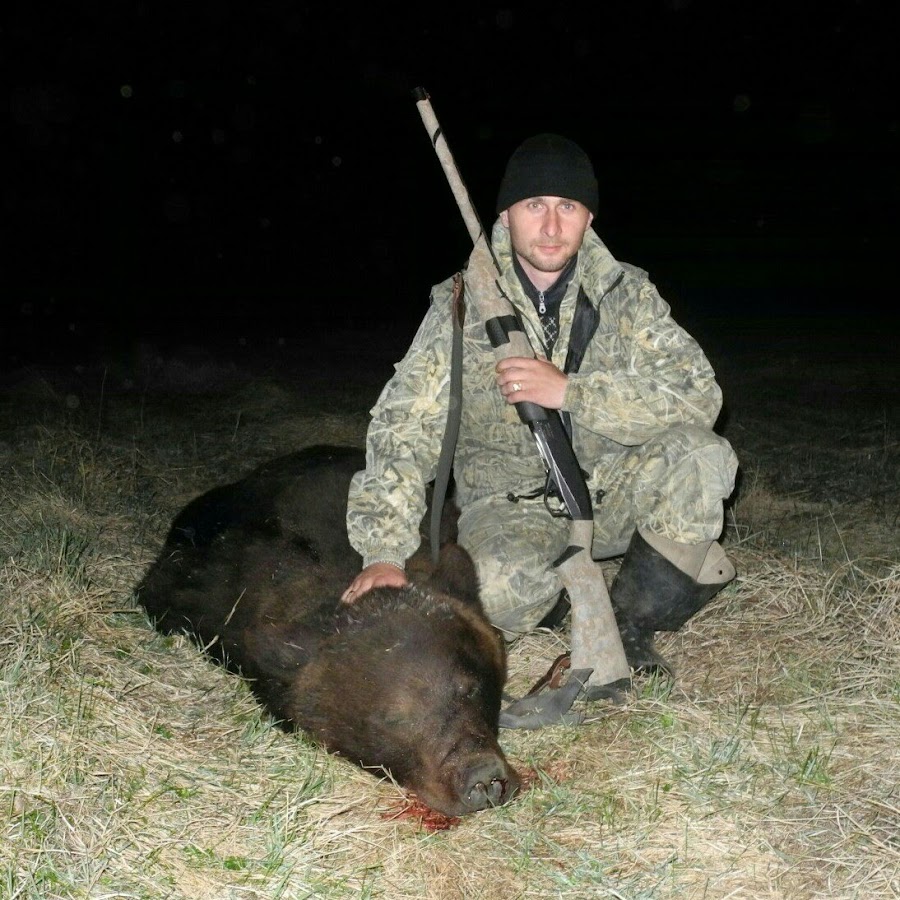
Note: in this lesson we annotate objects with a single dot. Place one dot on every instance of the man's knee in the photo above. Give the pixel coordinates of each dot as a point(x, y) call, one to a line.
point(675, 484)
point(513, 547)
point(517, 592)
point(689, 443)
point(688, 474)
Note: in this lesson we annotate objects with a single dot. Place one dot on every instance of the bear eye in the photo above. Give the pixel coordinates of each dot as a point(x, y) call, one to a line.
point(467, 689)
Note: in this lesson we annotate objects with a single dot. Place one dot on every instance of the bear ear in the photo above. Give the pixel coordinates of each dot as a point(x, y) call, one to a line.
point(455, 575)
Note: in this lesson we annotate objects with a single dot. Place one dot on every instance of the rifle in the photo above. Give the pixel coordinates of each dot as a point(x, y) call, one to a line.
point(597, 655)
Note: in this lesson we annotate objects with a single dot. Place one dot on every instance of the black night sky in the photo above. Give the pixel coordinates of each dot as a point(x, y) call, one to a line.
point(183, 171)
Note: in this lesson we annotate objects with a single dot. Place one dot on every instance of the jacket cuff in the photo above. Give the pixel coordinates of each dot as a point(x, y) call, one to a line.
point(382, 558)
point(573, 399)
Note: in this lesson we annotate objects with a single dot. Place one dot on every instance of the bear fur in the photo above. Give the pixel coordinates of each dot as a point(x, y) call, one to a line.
point(408, 680)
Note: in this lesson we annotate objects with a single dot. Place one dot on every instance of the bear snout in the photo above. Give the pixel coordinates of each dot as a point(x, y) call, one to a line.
point(488, 783)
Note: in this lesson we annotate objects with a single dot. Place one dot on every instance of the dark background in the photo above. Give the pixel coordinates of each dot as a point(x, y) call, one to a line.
point(212, 171)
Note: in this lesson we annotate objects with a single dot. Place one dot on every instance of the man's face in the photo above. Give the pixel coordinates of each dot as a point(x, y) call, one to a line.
point(546, 232)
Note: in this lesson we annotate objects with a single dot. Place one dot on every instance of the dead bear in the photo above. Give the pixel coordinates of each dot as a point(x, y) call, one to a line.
point(408, 680)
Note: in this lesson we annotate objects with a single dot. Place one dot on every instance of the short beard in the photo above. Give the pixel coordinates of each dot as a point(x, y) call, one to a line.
point(535, 262)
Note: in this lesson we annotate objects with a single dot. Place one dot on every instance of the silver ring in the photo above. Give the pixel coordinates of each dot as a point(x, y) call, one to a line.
point(517, 387)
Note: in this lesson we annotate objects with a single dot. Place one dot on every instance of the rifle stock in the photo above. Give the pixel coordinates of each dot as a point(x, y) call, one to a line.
point(596, 644)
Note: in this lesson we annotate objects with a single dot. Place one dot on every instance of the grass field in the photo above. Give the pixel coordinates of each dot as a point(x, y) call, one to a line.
point(130, 767)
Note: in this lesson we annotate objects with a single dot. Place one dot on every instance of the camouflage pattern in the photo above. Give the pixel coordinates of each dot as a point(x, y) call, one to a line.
point(643, 406)
point(673, 484)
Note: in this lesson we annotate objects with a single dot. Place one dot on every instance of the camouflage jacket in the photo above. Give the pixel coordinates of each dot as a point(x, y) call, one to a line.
point(641, 373)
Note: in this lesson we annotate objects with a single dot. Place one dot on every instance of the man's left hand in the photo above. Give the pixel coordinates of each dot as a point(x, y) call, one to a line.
point(533, 380)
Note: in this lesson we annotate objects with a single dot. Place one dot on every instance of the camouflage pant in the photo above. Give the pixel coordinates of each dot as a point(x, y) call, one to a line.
point(674, 485)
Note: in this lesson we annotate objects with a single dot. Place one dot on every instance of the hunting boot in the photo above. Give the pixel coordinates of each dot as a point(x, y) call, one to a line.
point(659, 586)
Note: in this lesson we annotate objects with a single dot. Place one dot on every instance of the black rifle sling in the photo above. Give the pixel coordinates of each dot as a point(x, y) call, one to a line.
point(584, 324)
point(454, 412)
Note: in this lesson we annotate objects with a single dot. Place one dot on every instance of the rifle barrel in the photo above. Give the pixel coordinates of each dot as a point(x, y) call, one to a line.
point(441, 148)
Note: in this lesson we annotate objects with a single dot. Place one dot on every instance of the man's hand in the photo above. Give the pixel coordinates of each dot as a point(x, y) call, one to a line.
point(379, 574)
point(534, 380)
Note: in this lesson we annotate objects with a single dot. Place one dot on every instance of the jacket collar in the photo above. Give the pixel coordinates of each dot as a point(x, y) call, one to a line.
point(597, 270)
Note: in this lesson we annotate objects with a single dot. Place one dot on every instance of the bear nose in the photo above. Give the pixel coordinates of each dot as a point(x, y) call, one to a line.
point(489, 784)
point(484, 795)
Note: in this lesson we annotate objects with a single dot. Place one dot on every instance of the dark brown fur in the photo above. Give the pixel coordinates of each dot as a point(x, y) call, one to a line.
point(408, 680)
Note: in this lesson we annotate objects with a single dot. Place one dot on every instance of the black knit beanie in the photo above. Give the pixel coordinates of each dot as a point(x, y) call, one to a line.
point(548, 165)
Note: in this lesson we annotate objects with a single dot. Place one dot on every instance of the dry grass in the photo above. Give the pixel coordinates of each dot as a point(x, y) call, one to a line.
point(130, 767)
